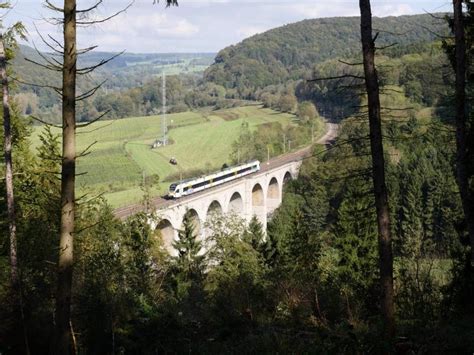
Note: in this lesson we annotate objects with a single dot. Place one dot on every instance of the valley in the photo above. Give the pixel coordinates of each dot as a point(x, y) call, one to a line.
point(121, 156)
point(269, 183)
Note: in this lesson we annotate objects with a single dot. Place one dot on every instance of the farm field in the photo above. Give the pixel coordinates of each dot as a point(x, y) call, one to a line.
point(184, 63)
point(179, 68)
point(121, 155)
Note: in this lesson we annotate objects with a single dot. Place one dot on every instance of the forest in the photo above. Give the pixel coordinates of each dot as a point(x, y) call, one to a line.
point(289, 52)
point(371, 250)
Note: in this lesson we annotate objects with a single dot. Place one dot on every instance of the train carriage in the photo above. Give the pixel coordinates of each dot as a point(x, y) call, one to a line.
point(187, 187)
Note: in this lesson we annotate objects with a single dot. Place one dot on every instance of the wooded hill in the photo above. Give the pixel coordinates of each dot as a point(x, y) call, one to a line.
point(288, 52)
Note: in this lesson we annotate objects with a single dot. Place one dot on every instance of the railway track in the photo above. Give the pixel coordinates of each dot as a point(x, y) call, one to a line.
point(161, 202)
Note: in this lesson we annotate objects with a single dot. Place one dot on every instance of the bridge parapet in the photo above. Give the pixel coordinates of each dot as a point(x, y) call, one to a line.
point(259, 194)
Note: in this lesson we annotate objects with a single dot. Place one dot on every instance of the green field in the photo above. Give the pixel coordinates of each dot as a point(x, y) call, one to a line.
point(122, 156)
point(185, 65)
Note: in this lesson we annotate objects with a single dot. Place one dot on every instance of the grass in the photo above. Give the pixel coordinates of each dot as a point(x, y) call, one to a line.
point(121, 155)
point(186, 66)
point(130, 195)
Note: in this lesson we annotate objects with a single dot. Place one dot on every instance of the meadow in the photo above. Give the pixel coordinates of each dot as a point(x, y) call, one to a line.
point(121, 155)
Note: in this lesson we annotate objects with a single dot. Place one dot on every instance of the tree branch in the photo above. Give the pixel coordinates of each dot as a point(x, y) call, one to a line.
point(51, 66)
point(50, 6)
point(93, 121)
point(387, 46)
point(93, 7)
point(86, 70)
point(90, 92)
point(98, 128)
point(55, 88)
point(168, 2)
point(347, 63)
point(44, 122)
point(93, 22)
point(336, 77)
point(87, 150)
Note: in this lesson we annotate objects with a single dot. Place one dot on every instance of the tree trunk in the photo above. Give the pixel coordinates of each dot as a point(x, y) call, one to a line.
point(68, 172)
point(461, 140)
point(15, 276)
point(9, 169)
point(378, 171)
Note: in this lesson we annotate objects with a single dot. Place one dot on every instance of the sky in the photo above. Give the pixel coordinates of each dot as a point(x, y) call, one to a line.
point(196, 25)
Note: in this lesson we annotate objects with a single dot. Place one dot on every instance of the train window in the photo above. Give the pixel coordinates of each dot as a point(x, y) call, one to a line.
point(244, 170)
point(201, 184)
point(220, 178)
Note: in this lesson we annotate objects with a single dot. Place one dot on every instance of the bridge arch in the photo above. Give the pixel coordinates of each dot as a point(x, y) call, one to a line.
point(214, 208)
point(196, 221)
point(258, 204)
point(257, 195)
point(168, 234)
point(273, 191)
point(287, 177)
point(236, 203)
point(273, 195)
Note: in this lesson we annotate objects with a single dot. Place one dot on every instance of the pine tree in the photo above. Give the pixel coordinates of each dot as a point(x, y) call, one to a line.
point(410, 213)
point(355, 237)
point(378, 170)
point(255, 236)
point(188, 247)
point(49, 155)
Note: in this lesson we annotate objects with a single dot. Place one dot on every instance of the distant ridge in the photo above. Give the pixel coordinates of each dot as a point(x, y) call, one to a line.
point(287, 52)
point(125, 59)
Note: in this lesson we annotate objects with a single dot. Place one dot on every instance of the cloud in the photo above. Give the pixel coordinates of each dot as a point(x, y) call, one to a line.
point(139, 32)
point(151, 24)
point(342, 8)
point(392, 10)
point(202, 25)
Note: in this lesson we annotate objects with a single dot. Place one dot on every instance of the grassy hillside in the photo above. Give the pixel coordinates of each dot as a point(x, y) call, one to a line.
point(122, 154)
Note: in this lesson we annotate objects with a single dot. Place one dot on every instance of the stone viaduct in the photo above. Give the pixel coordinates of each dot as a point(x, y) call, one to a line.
point(257, 194)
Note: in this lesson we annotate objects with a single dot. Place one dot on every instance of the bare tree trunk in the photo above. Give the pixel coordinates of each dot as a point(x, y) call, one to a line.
point(68, 172)
point(15, 275)
point(378, 171)
point(461, 140)
point(9, 169)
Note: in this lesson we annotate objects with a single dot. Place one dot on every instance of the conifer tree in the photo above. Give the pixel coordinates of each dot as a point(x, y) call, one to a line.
point(463, 156)
point(459, 51)
point(188, 247)
point(6, 40)
point(378, 170)
point(355, 237)
point(255, 236)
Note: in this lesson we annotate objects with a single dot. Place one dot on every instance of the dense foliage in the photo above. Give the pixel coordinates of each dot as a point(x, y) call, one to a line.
point(309, 283)
point(289, 52)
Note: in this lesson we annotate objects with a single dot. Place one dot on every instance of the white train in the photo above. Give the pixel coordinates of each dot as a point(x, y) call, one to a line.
point(187, 187)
